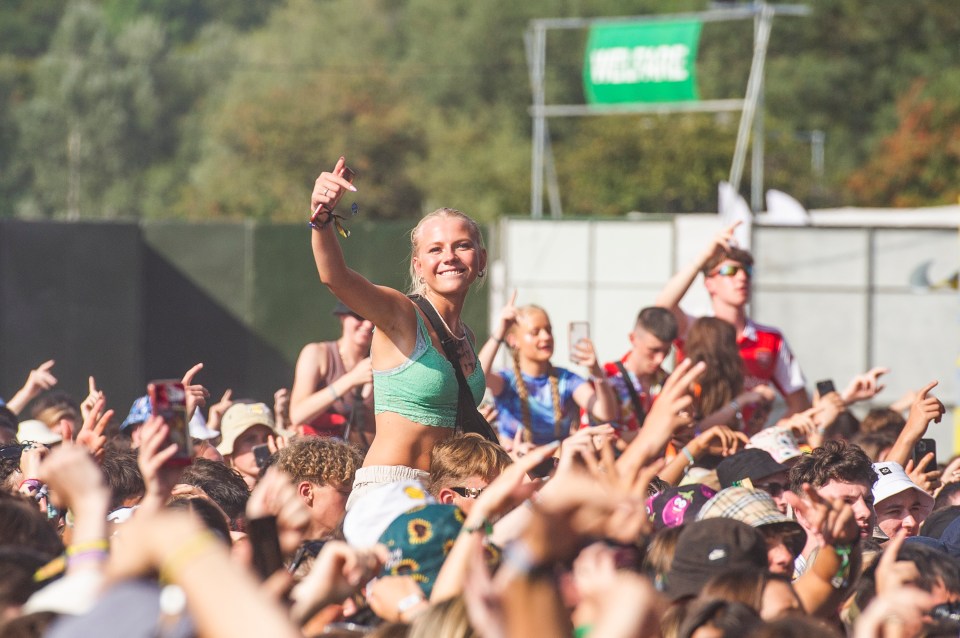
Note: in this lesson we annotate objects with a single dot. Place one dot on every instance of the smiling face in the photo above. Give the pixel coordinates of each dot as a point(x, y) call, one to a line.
point(448, 255)
point(532, 335)
point(357, 331)
point(906, 510)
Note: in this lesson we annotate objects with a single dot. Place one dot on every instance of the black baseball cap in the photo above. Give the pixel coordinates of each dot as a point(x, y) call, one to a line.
point(752, 463)
point(343, 309)
point(709, 547)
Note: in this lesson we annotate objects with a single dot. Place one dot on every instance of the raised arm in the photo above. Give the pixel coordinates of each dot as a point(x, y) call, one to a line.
point(597, 398)
point(924, 410)
point(387, 308)
point(508, 317)
point(680, 283)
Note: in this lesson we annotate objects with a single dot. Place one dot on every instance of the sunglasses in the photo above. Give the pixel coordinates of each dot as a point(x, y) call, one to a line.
point(468, 492)
point(730, 270)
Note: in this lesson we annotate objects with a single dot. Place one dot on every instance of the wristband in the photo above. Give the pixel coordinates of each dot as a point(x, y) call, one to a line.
point(317, 225)
point(518, 556)
point(686, 452)
point(333, 391)
point(93, 555)
point(842, 577)
point(484, 526)
point(99, 544)
point(184, 553)
point(737, 410)
point(409, 602)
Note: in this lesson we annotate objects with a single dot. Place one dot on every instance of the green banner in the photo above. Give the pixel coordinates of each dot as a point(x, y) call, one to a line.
point(652, 62)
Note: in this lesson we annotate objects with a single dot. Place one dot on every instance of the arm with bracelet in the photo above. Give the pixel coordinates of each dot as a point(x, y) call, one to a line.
point(719, 439)
point(832, 569)
point(76, 483)
point(506, 492)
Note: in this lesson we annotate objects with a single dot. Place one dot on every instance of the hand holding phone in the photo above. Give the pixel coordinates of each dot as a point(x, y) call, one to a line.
point(578, 331)
point(168, 400)
point(825, 387)
point(922, 448)
point(261, 454)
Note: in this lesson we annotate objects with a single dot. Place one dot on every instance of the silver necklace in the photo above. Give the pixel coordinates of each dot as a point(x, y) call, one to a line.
point(452, 333)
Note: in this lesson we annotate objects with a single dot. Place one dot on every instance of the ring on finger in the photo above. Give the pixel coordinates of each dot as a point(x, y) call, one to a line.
point(325, 191)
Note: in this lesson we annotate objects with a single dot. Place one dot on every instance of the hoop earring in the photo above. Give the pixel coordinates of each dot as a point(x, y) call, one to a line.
point(420, 280)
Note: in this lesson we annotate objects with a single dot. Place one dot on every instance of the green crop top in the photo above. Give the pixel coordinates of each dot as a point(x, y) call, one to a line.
point(424, 388)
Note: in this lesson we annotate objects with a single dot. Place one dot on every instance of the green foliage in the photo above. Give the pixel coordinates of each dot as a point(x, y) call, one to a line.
point(919, 163)
point(200, 108)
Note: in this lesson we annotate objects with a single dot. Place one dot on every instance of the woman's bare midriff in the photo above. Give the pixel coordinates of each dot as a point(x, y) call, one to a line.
point(400, 441)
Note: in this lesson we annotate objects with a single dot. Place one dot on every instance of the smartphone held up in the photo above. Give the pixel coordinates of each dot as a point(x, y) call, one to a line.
point(169, 401)
point(578, 331)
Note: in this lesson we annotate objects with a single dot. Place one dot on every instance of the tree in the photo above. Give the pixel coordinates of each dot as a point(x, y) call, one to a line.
point(919, 163)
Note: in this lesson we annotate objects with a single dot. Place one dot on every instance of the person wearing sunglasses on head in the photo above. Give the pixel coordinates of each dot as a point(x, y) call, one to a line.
point(727, 273)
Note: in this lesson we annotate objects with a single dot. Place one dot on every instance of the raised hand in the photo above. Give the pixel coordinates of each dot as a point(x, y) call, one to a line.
point(928, 481)
point(197, 395)
point(152, 456)
point(87, 404)
point(338, 572)
point(91, 434)
point(832, 520)
point(670, 412)
point(864, 386)
point(506, 319)
point(925, 408)
point(329, 187)
point(281, 409)
point(39, 380)
point(275, 495)
point(215, 413)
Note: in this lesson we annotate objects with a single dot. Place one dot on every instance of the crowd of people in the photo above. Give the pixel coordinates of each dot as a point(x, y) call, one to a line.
point(656, 494)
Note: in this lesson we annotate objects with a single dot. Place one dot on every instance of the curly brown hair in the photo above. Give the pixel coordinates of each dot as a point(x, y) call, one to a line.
point(320, 460)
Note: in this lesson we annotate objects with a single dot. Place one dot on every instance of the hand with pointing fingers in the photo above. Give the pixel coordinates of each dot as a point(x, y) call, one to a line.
point(927, 480)
point(39, 380)
point(925, 408)
point(197, 395)
point(864, 386)
point(831, 520)
point(86, 406)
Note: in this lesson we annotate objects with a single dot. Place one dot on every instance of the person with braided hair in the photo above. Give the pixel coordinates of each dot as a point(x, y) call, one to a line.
point(535, 397)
